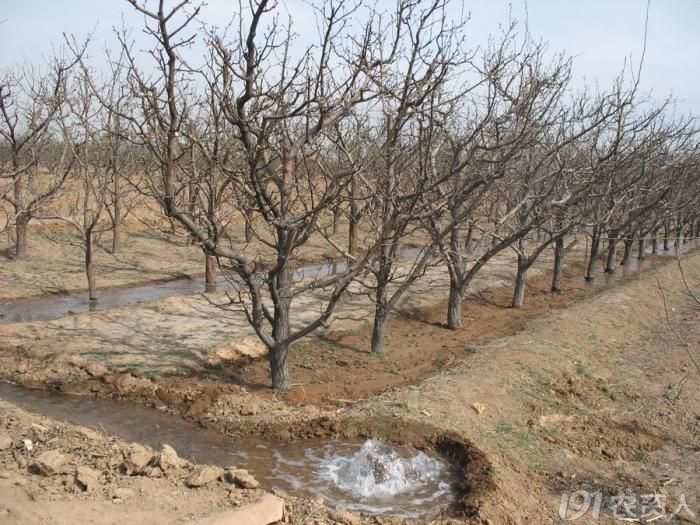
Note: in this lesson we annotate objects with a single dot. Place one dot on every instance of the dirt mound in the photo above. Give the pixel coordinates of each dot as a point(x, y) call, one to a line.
point(72, 470)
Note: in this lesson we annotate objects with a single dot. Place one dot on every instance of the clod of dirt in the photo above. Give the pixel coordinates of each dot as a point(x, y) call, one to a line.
point(342, 516)
point(96, 370)
point(128, 384)
point(270, 509)
point(48, 463)
point(123, 494)
point(153, 472)
point(136, 458)
point(86, 479)
point(241, 478)
point(203, 475)
point(89, 434)
point(199, 407)
point(5, 442)
point(169, 462)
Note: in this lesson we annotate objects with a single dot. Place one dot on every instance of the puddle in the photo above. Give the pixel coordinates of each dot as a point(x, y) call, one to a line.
point(47, 308)
point(366, 476)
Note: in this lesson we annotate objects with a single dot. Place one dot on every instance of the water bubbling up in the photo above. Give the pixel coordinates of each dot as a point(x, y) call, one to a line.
point(379, 471)
point(384, 479)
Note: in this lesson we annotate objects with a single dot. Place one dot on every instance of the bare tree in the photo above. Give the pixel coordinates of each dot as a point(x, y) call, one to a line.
point(117, 100)
point(520, 150)
point(35, 164)
point(86, 130)
point(282, 112)
point(418, 94)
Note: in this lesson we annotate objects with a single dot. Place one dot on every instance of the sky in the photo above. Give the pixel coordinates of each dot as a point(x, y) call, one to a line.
point(599, 34)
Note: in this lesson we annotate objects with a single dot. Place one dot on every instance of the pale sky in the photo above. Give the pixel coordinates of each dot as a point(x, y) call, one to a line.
point(600, 34)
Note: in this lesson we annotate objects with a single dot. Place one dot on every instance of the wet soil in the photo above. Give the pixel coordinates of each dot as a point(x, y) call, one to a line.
point(339, 369)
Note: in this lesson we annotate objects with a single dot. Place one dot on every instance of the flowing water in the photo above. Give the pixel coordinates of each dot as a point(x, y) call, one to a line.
point(49, 307)
point(368, 476)
point(46, 308)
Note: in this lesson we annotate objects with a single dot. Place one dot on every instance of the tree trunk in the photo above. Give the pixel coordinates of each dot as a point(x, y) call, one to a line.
point(192, 196)
point(336, 218)
point(593, 254)
point(90, 268)
point(468, 242)
point(679, 233)
point(559, 254)
point(667, 247)
point(353, 219)
point(21, 237)
point(655, 244)
point(116, 238)
point(520, 282)
point(612, 252)
point(210, 274)
point(628, 251)
point(116, 220)
point(454, 304)
point(641, 249)
point(381, 319)
point(381, 311)
point(352, 230)
point(279, 368)
point(381, 301)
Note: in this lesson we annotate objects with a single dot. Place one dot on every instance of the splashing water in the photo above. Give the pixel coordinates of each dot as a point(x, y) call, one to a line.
point(377, 473)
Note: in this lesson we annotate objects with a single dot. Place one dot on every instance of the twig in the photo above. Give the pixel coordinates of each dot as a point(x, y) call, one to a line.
point(685, 282)
point(678, 391)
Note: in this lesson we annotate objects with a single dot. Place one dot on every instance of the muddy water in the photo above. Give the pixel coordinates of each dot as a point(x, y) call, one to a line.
point(361, 476)
point(46, 308)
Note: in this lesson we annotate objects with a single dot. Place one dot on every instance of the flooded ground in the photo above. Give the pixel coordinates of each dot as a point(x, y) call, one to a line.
point(47, 308)
point(635, 265)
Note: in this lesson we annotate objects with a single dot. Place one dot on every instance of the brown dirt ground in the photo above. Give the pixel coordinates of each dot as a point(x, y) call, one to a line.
point(599, 395)
point(338, 368)
point(29, 498)
point(189, 334)
point(594, 394)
